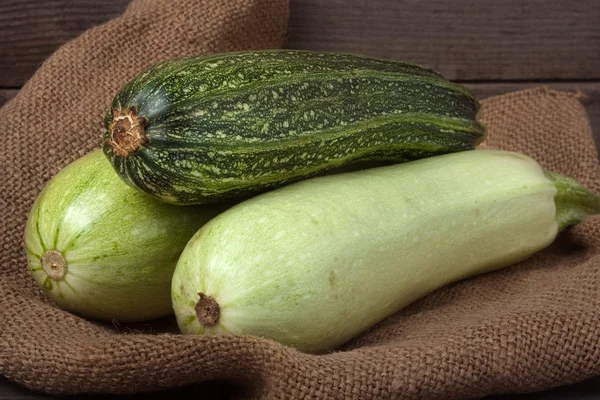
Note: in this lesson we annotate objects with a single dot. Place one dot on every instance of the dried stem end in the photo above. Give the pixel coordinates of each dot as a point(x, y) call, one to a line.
point(54, 264)
point(207, 310)
point(127, 131)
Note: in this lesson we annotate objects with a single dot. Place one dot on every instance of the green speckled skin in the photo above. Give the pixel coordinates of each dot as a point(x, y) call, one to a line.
point(313, 264)
point(120, 245)
point(232, 125)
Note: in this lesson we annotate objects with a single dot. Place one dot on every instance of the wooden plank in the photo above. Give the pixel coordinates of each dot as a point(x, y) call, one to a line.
point(6, 95)
point(463, 39)
point(590, 89)
point(31, 30)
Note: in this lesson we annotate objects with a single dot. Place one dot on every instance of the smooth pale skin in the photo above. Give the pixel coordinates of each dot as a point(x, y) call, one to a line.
point(121, 245)
point(315, 263)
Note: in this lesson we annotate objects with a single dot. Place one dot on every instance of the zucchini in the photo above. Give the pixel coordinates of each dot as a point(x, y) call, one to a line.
point(228, 126)
point(102, 249)
point(315, 263)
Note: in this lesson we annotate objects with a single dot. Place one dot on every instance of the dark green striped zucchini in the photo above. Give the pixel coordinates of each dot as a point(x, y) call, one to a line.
point(212, 128)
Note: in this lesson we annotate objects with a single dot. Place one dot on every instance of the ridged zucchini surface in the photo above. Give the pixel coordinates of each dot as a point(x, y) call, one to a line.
point(211, 128)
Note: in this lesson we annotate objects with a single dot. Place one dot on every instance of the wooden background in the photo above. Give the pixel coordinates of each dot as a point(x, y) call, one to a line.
point(491, 46)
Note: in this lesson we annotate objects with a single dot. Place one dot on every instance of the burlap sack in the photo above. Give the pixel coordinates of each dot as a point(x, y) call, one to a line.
point(529, 327)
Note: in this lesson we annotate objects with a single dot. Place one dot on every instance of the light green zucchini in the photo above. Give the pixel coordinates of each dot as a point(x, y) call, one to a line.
point(315, 263)
point(102, 249)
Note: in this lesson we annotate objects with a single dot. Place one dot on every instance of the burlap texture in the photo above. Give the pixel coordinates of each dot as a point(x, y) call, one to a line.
point(528, 327)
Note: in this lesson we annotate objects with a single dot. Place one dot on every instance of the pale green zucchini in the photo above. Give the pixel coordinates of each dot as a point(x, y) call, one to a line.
point(315, 263)
point(102, 249)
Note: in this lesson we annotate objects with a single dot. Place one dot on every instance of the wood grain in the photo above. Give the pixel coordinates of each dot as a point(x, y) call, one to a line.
point(464, 39)
point(31, 30)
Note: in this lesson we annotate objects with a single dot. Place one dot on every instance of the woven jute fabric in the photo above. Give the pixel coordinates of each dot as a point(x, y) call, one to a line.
point(524, 328)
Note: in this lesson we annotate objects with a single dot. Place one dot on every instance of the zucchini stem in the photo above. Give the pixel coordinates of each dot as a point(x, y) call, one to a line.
point(54, 264)
point(127, 132)
point(574, 202)
point(207, 310)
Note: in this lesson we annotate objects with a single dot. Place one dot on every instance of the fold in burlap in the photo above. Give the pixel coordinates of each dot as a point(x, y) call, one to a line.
point(525, 328)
